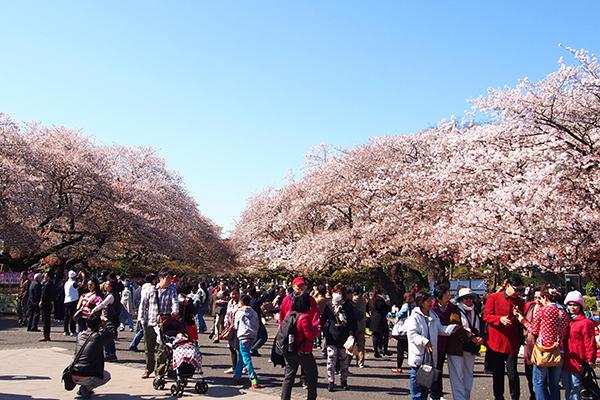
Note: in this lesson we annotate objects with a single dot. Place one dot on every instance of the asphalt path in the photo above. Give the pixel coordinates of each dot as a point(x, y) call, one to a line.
point(375, 380)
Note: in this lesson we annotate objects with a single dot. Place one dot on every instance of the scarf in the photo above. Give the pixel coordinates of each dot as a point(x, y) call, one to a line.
point(470, 312)
point(338, 311)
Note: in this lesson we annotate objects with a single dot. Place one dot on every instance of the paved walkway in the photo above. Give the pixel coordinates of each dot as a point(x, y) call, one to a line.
point(35, 374)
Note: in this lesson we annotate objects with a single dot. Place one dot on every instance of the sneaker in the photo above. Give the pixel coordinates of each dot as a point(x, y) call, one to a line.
point(237, 382)
point(229, 371)
point(256, 386)
point(44, 339)
point(377, 355)
point(344, 385)
point(361, 365)
point(83, 393)
point(134, 349)
point(255, 353)
point(331, 387)
point(66, 334)
point(216, 341)
point(146, 375)
point(110, 358)
point(131, 330)
point(397, 370)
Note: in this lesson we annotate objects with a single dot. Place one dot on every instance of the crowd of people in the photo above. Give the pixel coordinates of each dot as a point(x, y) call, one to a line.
point(545, 326)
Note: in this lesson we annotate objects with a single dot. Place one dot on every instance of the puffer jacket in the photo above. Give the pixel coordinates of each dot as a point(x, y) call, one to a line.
point(580, 344)
point(422, 329)
point(91, 360)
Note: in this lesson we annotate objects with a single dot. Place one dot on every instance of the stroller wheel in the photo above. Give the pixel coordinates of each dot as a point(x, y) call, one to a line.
point(201, 387)
point(156, 383)
point(174, 391)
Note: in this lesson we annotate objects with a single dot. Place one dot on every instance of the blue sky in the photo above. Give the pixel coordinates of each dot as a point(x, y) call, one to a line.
point(233, 94)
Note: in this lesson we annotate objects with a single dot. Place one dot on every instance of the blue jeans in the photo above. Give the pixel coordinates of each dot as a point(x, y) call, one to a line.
point(572, 383)
point(125, 317)
point(200, 318)
point(244, 360)
point(138, 336)
point(417, 392)
point(546, 382)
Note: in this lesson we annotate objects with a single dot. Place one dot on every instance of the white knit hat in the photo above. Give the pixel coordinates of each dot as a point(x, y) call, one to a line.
point(574, 297)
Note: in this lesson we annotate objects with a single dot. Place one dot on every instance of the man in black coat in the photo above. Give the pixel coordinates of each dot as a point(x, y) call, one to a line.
point(88, 370)
point(33, 303)
point(47, 299)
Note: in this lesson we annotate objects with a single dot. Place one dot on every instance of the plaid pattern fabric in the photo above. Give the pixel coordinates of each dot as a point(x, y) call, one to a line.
point(148, 310)
point(168, 301)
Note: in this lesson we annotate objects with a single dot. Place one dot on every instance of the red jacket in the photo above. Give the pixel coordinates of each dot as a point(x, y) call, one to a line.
point(313, 312)
point(501, 338)
point(581, 344)
point(306, 333)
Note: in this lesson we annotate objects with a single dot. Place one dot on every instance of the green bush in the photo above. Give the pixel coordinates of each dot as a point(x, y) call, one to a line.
point(589, 288)
point(590, 303)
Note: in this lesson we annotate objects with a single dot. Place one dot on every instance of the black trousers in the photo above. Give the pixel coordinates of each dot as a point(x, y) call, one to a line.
point(437, 389)
point(309, 366)
point(380, 342)
point(46, 320)
point(501, 365)
point(69, 322)
point(401, 347)
point(34, 317)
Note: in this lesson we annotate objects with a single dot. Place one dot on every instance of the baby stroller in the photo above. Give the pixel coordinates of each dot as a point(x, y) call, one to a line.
point(183, 359)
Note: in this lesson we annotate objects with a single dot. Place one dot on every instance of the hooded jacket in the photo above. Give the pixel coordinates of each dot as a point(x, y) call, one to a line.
point(246, 324)
point(420, 330)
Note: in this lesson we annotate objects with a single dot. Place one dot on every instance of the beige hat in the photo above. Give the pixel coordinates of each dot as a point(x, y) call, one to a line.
point(465, 292)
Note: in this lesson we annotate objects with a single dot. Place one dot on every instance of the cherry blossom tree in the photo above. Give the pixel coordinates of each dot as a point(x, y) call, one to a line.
point(62, 194)
point(519, 190)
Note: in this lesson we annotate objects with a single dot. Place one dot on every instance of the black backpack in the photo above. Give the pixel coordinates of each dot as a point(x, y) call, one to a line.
point(285, 340)
point(589, 389)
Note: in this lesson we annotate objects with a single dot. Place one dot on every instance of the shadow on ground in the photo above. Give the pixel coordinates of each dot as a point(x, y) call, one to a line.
point(23, 378)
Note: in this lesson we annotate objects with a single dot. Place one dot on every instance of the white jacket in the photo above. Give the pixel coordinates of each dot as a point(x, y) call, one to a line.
point(422, 329)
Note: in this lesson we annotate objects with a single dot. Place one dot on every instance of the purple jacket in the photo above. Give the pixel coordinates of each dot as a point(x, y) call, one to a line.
point(445, 320)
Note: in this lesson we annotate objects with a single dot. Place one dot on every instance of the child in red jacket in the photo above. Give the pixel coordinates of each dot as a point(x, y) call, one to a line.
point(581, 345)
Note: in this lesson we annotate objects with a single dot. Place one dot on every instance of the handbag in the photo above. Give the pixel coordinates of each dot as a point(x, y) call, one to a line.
point(227, 333)
point(427, 374)
point(67, 374)
point(546, 356)
point(350, 346)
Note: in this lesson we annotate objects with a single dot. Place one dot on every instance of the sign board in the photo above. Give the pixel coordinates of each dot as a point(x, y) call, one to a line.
point(10, 278)
point(476, 285)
